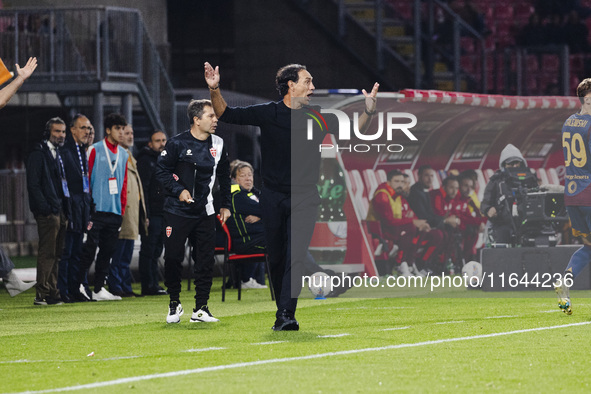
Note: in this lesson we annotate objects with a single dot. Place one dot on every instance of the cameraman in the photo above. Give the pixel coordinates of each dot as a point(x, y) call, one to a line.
point(502, 193)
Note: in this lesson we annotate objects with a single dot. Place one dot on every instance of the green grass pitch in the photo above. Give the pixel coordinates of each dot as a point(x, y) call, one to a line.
point(467, 341)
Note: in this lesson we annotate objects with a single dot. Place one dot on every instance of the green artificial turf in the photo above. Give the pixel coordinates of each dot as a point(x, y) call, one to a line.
point(48, 347)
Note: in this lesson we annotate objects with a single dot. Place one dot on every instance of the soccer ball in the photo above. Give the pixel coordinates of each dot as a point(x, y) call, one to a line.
point(473, 270)
point(319, 284)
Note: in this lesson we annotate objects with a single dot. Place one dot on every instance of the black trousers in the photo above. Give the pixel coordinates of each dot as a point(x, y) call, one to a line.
point(289, 221)
point(103, 233)
point(151, 249)
point(201, 234)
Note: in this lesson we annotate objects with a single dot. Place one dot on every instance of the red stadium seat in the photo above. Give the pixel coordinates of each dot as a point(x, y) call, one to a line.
point(503, 12)
point(531, 63)
point(467, 64)
point(467, 45)
point(522, 11)
point(550, 63)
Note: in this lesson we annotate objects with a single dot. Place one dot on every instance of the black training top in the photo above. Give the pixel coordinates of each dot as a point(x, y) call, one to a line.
point(192, 164)
point(284, 131)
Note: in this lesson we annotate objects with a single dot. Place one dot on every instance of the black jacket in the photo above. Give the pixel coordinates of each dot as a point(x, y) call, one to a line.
point(44, 183)
point(420, 203)
point(188, 163)
point(153, 190)
point(80, 201)
point(244, 203)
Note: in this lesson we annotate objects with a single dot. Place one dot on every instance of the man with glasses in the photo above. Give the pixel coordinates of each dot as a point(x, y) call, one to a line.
point(76, 165)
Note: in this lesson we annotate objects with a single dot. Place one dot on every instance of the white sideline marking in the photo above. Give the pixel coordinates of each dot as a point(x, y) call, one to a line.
point(117, 358)
point(500, 317)
point(287, 359)
point(395, 328)
point(268, 343)
point(450, 322)
point(333, 336)
point(206, 349)
point(553, 310)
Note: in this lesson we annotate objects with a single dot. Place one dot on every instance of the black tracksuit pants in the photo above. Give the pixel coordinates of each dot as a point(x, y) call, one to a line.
point(201, 234)
point(289, 220)
point(103, 233)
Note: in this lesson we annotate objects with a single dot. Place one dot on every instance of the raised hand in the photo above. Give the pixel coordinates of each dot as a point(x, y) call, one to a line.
point(370, 98)
point(212, 76)
point(28, 69)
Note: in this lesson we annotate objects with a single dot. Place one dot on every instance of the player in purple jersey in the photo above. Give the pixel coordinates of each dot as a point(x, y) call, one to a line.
point(577, 191)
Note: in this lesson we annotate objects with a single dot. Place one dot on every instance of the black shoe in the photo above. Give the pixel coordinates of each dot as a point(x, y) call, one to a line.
point(79, 297)
point(66, 299)
point(286, 322)
point(40, 301)
point(337, 291)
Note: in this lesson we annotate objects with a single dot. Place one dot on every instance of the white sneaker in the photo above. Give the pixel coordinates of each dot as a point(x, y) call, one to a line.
point(252, 284)
point(82, 290)
point(175, 311)
point(248, 285)
point(415, 271)
point(203, 315)
point(403, 270)
point(104, 295)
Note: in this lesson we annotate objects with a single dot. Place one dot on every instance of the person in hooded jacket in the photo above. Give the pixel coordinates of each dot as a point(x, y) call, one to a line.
point(500, 195)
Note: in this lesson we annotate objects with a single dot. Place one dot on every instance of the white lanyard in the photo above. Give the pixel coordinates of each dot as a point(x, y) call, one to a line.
point(80, 158)
point(111, 166)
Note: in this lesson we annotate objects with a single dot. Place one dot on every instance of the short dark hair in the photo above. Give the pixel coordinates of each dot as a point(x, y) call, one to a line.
point(156, 131)
point(76, 117)
point(470, 174)
point(286, 74)
point(195, 108)
point(392, 173)
point(424, 168)
point(449, 179)
point(114, 119)
point(584, 89)
point(49, 125)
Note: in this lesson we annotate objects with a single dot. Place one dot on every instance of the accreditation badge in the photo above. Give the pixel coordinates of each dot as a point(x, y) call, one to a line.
point(65, 188)
point(113, 186)
point(85, 185)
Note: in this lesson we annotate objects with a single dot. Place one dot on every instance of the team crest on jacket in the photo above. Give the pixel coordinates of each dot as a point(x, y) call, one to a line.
point(89, 226)
point(168, 231)
point(213, 151)
point(176, 177)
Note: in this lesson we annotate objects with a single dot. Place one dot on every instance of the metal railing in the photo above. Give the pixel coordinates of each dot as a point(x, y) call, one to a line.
point(86, 44)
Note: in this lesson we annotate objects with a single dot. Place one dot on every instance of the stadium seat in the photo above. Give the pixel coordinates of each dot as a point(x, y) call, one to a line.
point(553, 176)
point(411, 175)
point(359, 200)
point(521, 12)
point(467, 45)
point(480, 185)
point(542, 176)
point(381, 176)
point(371, 182)
point(235, 258)
point(531, 62)
point(550, 63)
point(503, 12)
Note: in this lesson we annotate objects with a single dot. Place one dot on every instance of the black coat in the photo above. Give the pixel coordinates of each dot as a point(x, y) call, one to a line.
point(80, 201)
point(420, 202)
point(44, 183)
point(153, 190)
